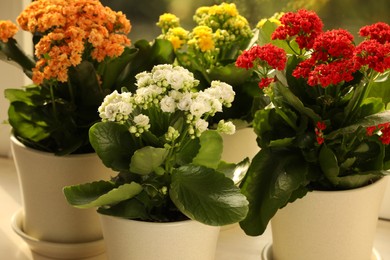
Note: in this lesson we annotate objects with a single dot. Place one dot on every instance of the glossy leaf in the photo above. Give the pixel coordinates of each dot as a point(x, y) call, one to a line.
point(147, 159)
point(113, 144)
point(207, 196)
point(269, 184)
point(210, 150)
point(100, 193)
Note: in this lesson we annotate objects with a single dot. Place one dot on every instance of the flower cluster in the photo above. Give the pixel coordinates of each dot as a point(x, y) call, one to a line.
point(325, 118)
point(305, 25)
point(170, 90)
point(7, 30)
point(219, 28)
point(210, 48)
point(69, 29)
point(81, 47)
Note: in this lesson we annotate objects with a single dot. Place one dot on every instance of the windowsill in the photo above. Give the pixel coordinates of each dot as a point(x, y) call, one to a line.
point(233, 243)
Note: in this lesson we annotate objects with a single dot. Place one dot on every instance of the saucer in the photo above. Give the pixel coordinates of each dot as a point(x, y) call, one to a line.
point(57, 250)
point(266, 254)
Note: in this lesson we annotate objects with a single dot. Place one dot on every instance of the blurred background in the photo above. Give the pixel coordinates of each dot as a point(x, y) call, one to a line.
point(347, 14)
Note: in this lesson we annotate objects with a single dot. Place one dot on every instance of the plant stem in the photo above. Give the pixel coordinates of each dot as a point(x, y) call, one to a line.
point(53, 101)
point(358, 100)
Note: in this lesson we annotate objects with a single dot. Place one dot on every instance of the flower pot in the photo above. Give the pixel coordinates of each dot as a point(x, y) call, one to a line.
point(47, 216)
point(130, 239)
point(240, 145)
point(337, 225)
point(384, 212)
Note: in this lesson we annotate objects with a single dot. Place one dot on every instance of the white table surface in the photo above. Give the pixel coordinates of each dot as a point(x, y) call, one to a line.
point(233, 243)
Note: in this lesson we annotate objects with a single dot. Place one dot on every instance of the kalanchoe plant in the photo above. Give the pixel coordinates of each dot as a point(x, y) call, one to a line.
point(82, 53)
point(210, 49)
point(326, 126)
point(168, 161)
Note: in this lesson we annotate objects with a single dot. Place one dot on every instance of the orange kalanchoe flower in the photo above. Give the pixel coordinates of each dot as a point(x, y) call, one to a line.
point(72, 30)
point(7, 30)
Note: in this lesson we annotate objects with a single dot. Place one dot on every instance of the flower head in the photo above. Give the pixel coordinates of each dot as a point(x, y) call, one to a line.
point(331, 61)
point(268, 56)
point(70, 30)
point(379, 31)
point(7, 30)
point(304, 25)
point(168, 21)
point(373, 54)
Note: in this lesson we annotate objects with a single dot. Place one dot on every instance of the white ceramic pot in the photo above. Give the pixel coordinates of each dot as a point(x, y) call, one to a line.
point(384, 212)
point(240, 145)
point(47, 216)
point(129, 239)
point(336, 225)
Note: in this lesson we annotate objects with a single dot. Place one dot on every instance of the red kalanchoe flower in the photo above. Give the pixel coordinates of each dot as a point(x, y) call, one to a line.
point(383, 130)
point(379, 31)
point(333, 44)
point(268, 56)
point(306, 25)
point(332, 60)
point(374, 54)
point(319, 134)
point(332, 73)
point(385, 137)
point(265, 82)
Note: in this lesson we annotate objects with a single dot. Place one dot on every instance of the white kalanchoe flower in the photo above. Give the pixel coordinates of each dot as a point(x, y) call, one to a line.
point(201, 125)
point(168, 104)
point(184, 101)
point(143, 79)
point(116, 107)
point(142, 121)
point(226, 127)
point(175, 79)
point(141, 125)
point(200, 104)
point(222, 91)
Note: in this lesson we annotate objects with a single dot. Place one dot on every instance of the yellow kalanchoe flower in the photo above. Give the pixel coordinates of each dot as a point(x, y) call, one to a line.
point(178, 36)
point(202, 38)
point(274, 19)
point(167, 21)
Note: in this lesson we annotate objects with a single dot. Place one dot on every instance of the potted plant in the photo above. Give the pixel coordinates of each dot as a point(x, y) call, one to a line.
point(169, 167)
point(82, 53)
point(209, 50)
point(325, 132)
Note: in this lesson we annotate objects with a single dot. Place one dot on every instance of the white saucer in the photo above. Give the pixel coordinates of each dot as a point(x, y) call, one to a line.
point(266, 254)
point(57, 250)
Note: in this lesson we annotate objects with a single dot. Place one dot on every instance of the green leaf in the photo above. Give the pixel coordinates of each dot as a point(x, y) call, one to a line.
point(187, 152)
point(207, 196)
point(27, 123)
point(100, 193)
point(235, 172)
point(113, 144)
point(11, 52)
point(372, 120)
point(271, 181)
point(230, 74)
point(147, 159)
point(359, 180)
point(329, 164)
point(295, 102)
point(114, 67)
point(210, 151)
point(131, 209)
point(84, 80)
